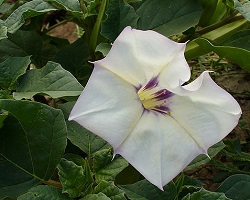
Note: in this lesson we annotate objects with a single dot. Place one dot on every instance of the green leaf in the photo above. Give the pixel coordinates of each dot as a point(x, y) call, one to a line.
point(203, 159)
point(237, 55)
point(240, 40)
point(143, 190)
point(120, 15)
point(99, 196)
point(3, 30)
point(74, 57)
point(43, 192)
point(110, 190)
point(11, 69)
point(236, 187)
point(27, 10)
point(169, 17)
point(105, 167)
point(31, 143)
point(205, 195)
point(81, 137)
point(73, 178)
point(52, 79)
point(72, 6)
point(243, 8)
point(104, 48)
point(26, 43)
point(209, 11)
point(218, 35)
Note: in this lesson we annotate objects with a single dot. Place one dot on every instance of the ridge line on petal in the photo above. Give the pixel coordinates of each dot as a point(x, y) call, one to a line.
point(204, 150)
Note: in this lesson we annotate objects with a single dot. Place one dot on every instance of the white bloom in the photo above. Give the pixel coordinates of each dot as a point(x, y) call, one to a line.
point(135, 100)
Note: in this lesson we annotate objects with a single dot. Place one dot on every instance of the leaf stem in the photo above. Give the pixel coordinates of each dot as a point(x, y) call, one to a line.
point(96, 29)
point(212, 27)
point(53, 183)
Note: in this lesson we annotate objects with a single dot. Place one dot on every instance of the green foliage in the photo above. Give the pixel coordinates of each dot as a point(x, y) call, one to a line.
point(145, 191)
point(74, 178)
point(27, 43)
point(203, 159)
point(106, 167)
point(52, 79)
point(11, 69)
point(27, 10)
point(119, 15)
point(243, 8)
point(205, 195)
point(81, 137)
point(236, 187)
point(45, 156)
point(43, 192)
point(72, 6)
point(237, 55)
point(110, 190)
point(27, 150)
point(169, 17)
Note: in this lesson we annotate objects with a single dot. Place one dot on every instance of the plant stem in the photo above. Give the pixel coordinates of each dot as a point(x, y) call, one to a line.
point(53, 183)
point(212, 27)
point(82, 5)
point(54, 26)
point(96, 29)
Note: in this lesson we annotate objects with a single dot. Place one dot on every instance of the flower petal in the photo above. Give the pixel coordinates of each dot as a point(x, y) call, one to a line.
point(207, 112)
point(108, 107)
point(136, 56)
point(159, 148)
point(176, 73)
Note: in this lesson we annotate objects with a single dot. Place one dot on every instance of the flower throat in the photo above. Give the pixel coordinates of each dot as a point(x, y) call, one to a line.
point(155, 98)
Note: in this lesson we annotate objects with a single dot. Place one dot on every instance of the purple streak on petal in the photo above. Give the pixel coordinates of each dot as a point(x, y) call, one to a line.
point(163, 94)
point(151, 84)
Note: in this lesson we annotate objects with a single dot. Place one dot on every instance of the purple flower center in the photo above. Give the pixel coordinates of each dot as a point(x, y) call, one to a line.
point(155, 98)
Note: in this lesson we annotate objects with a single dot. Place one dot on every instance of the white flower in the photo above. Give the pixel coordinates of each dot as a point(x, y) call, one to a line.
point(136, 101)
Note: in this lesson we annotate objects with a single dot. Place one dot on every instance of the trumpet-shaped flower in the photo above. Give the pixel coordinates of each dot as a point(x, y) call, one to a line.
point(137, 101)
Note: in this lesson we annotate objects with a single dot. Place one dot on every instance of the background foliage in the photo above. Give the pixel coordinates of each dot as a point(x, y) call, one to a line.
point(44, 156)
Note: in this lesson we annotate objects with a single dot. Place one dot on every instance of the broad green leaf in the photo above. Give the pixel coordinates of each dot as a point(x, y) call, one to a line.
point(169, 17)
point(74, 57)
point(104, 48)
point(119, 15)
point(26, 43)
point(99, 196)
point(143, 190)
point(205, 195)
point(106, 167)
point(33, 139)
point(72, 6)
point(237, 55)
point(52, 79)
point(110, 190)
point(214, 11)
point(73, 178)
point(243, 8)
point(27, 10)
point(203, 159)
point(218, 35)
point(236, 187)
point(3, 29)
point(209, 9)
point(240, 40)
point(11, 69)
point(1, 2)
point(44, 192)
point(81, 137)
point(3, 116)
